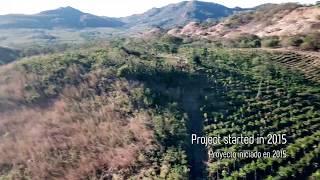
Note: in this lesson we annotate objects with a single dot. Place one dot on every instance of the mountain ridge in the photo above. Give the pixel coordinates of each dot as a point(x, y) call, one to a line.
point(167, 17)
point(63, 17)
point(181, 13)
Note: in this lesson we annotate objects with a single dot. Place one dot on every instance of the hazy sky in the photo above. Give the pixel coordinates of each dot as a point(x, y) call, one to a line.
point(114, 8)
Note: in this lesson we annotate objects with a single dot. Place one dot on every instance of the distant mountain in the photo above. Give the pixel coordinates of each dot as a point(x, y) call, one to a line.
point(166, 17)
point(180, 14)
point(65, 17)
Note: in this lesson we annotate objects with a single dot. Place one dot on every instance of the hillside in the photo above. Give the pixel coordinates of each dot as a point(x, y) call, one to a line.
point(127, 109)
point(180, 14)
point(66, 17)
point(267, 20)
point(92, 98)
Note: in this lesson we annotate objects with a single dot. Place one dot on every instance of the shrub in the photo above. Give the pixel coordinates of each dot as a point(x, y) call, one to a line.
point(238, 20)
point(248, 41)
point(295, 41)
point(311, 42)
point(273, 41)
point(172, 39)
point(195, 58)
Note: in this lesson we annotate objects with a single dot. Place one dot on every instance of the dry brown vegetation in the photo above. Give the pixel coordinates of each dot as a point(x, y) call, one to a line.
point(270, 20)
point(11, 87)
point(78, 135)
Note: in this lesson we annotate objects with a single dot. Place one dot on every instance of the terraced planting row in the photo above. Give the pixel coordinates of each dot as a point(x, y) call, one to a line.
point(308, 64)
point(251, 95)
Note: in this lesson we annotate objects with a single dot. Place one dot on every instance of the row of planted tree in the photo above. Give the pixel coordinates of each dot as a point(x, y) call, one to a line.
point(250, 95)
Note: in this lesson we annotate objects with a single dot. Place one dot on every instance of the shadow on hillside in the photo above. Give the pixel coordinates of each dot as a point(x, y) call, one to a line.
point(186, 90)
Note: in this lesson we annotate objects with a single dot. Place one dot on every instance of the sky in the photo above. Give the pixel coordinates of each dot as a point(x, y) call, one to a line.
point(115, 8)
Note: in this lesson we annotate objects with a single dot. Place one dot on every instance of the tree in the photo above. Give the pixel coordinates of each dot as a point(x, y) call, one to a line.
point(295, 41)
point(195, 58)
point(205, 53)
